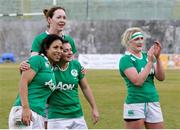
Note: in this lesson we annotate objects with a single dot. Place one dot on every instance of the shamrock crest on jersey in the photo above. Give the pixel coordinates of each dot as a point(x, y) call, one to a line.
point(74, 73)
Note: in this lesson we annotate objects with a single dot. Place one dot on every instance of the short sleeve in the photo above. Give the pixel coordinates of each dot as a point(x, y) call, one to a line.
point(35, 45)
point(80, 67)
point(35, 63)
point(71, 41)
point(125, 62)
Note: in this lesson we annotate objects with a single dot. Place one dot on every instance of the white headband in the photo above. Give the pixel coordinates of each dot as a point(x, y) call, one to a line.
point(136, 35)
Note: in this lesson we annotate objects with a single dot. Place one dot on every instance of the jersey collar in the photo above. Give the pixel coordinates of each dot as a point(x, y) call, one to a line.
point(129, 53)
point(62, 34)
point(63, 69)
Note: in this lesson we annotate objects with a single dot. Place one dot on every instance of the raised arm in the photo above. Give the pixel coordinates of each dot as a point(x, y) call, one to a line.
point(139, 78)
point(159, 71)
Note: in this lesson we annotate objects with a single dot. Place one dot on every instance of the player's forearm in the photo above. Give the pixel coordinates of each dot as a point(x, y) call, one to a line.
point(142, 76)
point(89, 97)
point(159, 71)
point(24, 94)
point(87, 93)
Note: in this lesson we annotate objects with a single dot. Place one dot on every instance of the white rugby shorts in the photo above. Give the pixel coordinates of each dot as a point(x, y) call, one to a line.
point(15, 119)
point(150, 112)
point(67, 123)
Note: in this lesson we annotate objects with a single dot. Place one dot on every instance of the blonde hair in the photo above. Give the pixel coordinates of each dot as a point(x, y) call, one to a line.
point(126, 36)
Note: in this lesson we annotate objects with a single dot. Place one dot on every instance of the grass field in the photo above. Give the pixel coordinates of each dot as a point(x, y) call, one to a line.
point(109, 91)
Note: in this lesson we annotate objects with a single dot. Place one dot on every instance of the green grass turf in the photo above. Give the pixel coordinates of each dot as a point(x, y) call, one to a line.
point(109, 91)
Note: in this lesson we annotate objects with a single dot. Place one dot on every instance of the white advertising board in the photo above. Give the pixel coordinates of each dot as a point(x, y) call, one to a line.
point(100, 61)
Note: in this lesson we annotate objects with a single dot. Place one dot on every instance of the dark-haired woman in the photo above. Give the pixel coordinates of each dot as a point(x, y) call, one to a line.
point(36, 85)
point(64, 110)
point(56, 19)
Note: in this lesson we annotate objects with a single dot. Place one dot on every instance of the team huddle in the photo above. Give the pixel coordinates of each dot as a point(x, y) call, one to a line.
point(48, 91)
point(49, 82)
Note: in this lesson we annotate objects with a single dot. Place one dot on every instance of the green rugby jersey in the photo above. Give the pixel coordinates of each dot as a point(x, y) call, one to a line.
point(64, 102)
point(39, 38)
point(138, 94)
point(41, 86)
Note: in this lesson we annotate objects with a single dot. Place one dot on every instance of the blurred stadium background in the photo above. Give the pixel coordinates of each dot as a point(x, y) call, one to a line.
point(99, 9)
point(96, 26)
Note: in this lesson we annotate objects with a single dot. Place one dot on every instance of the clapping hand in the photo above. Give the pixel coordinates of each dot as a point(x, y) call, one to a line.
point(157, 49)
point(151, 54)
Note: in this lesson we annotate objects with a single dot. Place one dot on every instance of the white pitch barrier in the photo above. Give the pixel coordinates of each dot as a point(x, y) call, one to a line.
point(100, 61)
point(20, 14)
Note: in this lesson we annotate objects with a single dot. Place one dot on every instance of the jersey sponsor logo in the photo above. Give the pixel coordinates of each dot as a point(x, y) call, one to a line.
point(55, 68)
point(51, 85)
point(130, 113)
point(62, 86)
point(133, 59)
point(47, 64)
point(74, 73)
point(151, 71)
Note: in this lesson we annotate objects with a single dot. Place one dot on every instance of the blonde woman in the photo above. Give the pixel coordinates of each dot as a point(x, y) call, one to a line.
point(138, 69)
